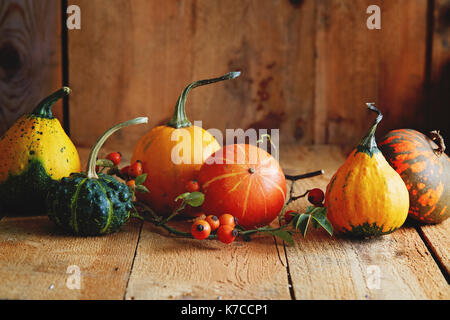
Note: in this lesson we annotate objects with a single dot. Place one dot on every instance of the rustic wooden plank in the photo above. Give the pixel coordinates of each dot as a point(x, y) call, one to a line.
point(438, 95)
point(334, 268)
point(440, 38)
point(272, 42)
point(35, 256)
point(438, 239)
point(140, 55)
point(168, 267)
point(355, 65)
point(324, 267)
point(30, 57)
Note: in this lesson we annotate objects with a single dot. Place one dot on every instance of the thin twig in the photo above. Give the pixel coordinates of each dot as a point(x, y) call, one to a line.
point(304, 176)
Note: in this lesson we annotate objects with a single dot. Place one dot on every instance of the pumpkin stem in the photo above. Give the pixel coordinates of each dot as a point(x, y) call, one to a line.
point(44, 108)
point(368, 144)
point(439, 140)
point(179, 119)
point(90, 169)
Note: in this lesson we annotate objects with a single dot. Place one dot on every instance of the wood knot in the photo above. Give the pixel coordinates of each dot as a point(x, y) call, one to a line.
point(9, 60)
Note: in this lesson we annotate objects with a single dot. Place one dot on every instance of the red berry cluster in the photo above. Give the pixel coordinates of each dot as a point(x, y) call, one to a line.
point(132, 171)
point(224, 226)
point(128, 173)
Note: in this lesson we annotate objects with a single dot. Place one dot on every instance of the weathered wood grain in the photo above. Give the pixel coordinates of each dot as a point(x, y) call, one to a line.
point(355, 65)
point(440, 38)
point(334, 268)
point(167, 267)
point(30, 57)
point(438, 94)
point(324, 267)
point(34, 257)
point(141, 54)
point(438, 239)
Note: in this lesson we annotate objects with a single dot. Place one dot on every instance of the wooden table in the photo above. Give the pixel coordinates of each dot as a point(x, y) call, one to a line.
point(143, 262)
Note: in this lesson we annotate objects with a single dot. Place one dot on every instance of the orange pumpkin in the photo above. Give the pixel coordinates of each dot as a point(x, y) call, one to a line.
point(244, 181)
point(172, 155)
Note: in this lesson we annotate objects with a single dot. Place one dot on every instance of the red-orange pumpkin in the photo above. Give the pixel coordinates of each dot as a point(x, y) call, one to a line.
point(244, 181)
point(424, 168)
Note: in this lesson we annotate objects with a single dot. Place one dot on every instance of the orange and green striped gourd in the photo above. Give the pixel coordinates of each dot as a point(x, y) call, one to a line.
point(425, 169)
point(34, 153)
point(366, 197)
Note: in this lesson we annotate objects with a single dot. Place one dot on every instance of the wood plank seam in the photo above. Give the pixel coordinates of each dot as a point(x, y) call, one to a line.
point(285, 263)
point(290, 283)
point(65, 65)
point(132, 262)
point(433, 253)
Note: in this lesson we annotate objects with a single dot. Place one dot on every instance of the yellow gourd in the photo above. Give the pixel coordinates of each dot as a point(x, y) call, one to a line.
point(366, 197)
point(34, 152)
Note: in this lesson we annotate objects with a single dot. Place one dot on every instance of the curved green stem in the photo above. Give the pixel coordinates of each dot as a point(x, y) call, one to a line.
point(179, 119)
point(44, 108)
point(368, 144)
point(91, 174)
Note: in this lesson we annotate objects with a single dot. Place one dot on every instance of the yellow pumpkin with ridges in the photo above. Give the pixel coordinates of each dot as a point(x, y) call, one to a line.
point(366, 197)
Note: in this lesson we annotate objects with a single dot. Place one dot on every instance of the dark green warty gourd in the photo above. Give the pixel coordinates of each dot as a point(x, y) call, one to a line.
point(88, 204)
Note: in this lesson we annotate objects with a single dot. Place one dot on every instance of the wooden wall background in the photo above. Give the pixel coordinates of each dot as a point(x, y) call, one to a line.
point(308, 66)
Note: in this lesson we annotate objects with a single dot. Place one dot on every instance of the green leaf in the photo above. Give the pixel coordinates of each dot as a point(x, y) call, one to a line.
point(141, 188)
point(284, 235)
point(320, 216)
point(104, 163)
point(195, 199)
point(181, 196)
point(302, 223)
point(140, 179)
point(313, 209)
point(315, 224)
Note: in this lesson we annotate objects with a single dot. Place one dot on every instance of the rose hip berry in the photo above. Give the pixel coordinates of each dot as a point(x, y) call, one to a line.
point(135, 169)
point(228, 219)
point(226, 234)
point(124, 170)
point(213, 222)
point(316, 196)
point(131, 184)
point(192, 186)
point(115, 157)
point(200, 229)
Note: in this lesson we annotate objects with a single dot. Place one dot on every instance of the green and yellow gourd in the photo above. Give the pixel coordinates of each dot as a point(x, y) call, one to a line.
point(88, 204)
point(35, 152)
point(366, 197)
